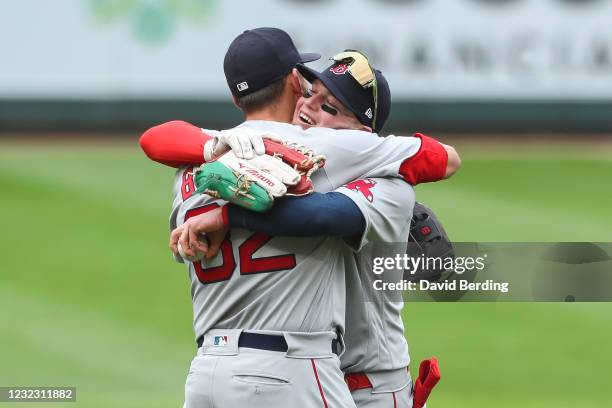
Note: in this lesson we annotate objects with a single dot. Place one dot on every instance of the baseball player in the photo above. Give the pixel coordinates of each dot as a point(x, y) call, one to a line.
point(259, 341)
point(377, 357)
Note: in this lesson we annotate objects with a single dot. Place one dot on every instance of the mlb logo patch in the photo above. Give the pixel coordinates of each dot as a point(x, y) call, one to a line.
point(242, 86)
point(220, 341)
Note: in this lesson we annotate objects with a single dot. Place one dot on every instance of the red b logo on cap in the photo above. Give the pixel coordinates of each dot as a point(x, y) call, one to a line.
point(339, 69)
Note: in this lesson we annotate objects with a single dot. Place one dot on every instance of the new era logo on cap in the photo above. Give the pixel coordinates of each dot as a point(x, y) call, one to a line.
point(242, 86)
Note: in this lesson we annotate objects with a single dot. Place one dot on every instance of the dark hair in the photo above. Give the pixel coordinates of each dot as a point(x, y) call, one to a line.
point(262, 97)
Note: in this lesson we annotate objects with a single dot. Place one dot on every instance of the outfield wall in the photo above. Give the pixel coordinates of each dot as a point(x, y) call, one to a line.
point(465, 65)
point(466, 117)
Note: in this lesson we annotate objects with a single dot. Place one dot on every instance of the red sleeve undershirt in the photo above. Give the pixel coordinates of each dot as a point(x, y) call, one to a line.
point(175, 143)
point(179, 143)
point(429, 164)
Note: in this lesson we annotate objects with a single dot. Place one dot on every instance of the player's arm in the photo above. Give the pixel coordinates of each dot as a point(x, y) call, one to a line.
point(353, 154)
point(430, 162)
point(360, 212)
point(454, 161)
point(179, 143)
point(175, 143)
point(433, 161)
point(317, 214)
point(386, 205)
point(367, 210)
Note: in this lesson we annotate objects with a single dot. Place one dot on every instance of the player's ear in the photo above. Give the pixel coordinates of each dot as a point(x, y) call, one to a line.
point(236, 102)
point(357, 125)
point(294, 82)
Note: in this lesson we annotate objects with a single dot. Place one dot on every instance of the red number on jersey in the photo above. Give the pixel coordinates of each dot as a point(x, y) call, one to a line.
point(248, 264)
point(215, 273)
point(187, 186)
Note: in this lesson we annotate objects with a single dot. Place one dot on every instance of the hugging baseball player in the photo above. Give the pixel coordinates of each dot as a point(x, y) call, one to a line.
point(272, 331)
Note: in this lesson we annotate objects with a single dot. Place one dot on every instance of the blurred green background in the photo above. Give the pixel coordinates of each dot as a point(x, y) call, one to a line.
point(90, 296)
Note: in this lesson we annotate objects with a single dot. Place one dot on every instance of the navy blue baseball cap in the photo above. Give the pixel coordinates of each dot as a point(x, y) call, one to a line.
point(356, 98)
point(259, 57)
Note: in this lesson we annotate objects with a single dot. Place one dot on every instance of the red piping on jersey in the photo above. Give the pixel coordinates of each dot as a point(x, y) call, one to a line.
point(394, 401)
point(428, 164)
point(314, 368)
point(175, 143)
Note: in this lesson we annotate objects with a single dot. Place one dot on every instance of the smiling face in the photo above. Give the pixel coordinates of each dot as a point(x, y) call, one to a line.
point(318, 107)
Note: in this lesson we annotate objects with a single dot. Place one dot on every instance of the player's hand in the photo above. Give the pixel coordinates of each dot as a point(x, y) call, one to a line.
point(209, 223)
point(215, 239)
point(192, 245)
point(175, 234)
point(245, 142)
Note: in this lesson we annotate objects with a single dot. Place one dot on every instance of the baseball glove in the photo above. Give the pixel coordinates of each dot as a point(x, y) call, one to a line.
point(285, 169)
point(427, 238)
point(245, 142)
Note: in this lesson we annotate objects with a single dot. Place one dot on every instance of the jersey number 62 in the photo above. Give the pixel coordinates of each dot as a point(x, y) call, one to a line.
point(246, 250)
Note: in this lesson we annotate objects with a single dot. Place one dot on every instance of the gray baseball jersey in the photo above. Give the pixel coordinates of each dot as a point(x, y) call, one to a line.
point(374, 329)
point(258, 282)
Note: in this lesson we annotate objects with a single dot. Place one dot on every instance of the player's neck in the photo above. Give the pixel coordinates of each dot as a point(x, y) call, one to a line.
point(282, 111)
point(275, 115)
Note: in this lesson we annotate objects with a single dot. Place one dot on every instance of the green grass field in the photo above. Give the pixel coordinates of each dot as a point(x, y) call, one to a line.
point(90, 297)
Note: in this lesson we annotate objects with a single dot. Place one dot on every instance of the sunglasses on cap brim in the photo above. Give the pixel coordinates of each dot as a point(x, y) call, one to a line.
point(360, 69)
